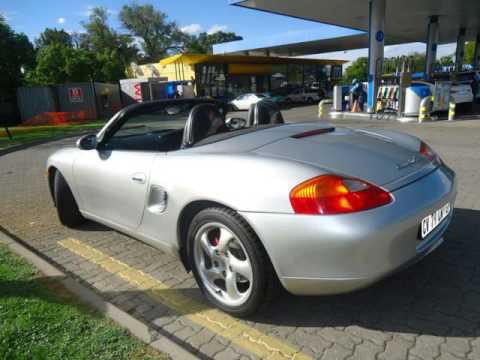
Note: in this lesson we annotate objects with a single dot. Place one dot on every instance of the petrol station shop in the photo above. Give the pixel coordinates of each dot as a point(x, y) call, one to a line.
point(227, 76)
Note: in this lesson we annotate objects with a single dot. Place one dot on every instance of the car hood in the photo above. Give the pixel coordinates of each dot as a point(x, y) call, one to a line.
point(371, 156)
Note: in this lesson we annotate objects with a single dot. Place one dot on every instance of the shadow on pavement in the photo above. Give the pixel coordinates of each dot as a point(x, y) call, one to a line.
point(438, 296)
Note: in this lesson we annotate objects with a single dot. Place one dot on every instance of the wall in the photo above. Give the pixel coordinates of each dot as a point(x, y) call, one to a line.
point(108, 99)
point(66, 103)
point(78, 98)
point(35, 100)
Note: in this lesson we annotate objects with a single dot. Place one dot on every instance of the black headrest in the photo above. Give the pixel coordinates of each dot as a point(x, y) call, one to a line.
point(266, 112)
point(204, 120)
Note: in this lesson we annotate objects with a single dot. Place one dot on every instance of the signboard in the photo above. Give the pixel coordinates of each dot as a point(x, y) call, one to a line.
point(380, 36)
point(137, 92)
point(75, 95)
point(441, 96)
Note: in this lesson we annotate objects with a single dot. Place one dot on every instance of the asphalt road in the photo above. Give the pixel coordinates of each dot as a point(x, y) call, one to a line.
point(430, 311)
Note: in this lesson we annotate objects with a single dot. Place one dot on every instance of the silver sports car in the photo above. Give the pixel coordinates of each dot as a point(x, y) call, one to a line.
point(249, 204)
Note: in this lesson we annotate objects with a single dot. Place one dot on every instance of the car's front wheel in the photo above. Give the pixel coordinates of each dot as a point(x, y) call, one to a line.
point(67, 207)
point(229, 263)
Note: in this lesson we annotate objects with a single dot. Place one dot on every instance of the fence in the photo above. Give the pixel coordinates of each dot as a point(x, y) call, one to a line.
point(66, 103)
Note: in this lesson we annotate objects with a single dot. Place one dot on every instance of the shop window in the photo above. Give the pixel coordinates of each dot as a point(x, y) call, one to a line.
point(212, 80)
point(295, 75)
point(310, 76)
point(278, 78)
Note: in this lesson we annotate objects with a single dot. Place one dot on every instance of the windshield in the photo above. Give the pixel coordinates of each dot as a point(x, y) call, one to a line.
point(170, 117)
point(160, 126)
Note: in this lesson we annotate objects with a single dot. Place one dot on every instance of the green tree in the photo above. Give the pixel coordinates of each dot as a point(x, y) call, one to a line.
point(203, 42)
point(53, 36)
point(158, 36)
point(446, 61)
point(16, 55)
point(57, 64)
point(109, 66)
point(469, 52)
point(357, 70)
point(100, 38)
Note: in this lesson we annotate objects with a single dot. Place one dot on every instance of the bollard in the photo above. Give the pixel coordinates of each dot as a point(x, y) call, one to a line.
point(451, 110)
point(423, 113)
point(321, 107)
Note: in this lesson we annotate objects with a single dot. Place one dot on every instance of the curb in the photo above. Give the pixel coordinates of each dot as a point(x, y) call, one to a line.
point(125, 320)
point(14, 148)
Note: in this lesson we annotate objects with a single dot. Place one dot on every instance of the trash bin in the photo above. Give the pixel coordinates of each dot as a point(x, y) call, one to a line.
point(413, 96)
point(337, 98)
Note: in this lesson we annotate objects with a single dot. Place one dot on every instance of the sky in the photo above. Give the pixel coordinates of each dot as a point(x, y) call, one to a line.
point(257, 28)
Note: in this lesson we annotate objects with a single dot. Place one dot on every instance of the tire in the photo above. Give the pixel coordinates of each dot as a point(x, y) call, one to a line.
point(310, 101)
point(67, 208)
point(252, 294)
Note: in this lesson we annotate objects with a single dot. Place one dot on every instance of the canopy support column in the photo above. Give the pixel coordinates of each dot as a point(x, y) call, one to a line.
point(432, 44)
point(376, 39)
point(476, 54)
point(460, 52)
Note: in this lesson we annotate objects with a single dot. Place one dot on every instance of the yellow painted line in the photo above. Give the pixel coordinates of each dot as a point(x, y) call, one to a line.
point(244, 336)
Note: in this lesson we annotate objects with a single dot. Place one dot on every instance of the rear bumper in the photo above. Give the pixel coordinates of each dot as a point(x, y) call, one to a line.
point(316, 255)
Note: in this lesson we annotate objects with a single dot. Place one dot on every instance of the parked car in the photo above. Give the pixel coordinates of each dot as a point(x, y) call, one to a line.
point(276, 98)
point(304, 96)
point(244, 101)
point(249, 204)
point(460, 92)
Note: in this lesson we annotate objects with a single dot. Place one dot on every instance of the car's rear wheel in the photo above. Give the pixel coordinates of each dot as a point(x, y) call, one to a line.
point(67, 207)
point(229, 263)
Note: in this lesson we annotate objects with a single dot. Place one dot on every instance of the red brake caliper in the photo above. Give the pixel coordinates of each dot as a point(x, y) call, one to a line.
point(214, 237)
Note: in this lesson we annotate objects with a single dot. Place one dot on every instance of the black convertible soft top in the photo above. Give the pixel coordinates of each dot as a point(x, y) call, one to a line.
point(156, 105)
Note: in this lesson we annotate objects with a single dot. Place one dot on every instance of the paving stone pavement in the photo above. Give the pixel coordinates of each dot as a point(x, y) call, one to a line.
point(430, 311)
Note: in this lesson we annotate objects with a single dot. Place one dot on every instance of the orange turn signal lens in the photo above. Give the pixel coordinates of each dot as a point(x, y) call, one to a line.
point(332, 194)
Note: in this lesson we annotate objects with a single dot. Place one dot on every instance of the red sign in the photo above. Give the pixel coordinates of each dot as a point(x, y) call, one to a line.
point(75, 95)
point(138, 92)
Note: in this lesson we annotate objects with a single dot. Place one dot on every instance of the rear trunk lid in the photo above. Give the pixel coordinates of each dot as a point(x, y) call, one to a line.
point(364, 155)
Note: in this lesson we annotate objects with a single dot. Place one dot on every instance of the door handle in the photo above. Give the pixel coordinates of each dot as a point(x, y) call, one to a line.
point(139, 178)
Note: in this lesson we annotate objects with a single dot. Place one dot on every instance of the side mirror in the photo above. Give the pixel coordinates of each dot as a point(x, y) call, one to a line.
point(87, 142)
point(236, 123)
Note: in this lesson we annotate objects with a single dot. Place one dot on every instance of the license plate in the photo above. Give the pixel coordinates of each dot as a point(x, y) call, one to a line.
point(430, 222)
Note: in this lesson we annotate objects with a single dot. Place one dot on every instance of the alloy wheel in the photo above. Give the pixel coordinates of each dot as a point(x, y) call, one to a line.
point(223, 264)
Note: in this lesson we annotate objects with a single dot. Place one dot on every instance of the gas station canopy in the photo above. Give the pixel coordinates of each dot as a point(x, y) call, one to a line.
point(405, 20)
point(350, 42)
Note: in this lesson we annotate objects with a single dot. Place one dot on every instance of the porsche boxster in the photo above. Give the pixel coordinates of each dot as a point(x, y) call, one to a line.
point(252, 204)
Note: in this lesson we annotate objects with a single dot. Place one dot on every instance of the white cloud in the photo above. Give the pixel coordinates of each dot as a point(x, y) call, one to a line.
point(216, 28)
point(61, 20)
point(191, 29)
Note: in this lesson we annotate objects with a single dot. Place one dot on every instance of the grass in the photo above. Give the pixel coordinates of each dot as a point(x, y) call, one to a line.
point(40, 320)
point(27, 134)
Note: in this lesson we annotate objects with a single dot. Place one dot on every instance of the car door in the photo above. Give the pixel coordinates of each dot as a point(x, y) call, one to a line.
point(113, 184)
point(113, 179)
point(296, 96)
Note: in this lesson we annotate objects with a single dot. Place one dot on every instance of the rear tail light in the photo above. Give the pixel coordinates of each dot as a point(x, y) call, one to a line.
point(428, 152)
point(332, 194)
